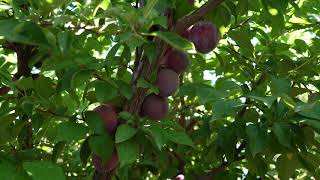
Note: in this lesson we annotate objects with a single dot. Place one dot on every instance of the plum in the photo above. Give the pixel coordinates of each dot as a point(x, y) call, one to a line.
point(180, 177)
point(204, 35)
point(168, 82)
point(177, 61)
point(109, 116)
point(154, 107)
point(4, 90)
point(105, 166)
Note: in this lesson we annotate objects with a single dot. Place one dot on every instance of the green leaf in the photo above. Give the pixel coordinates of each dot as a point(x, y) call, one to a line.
point(257, 138)
point(125, 89)
point(40, 170)
point(223, 108)
point(279, 86)
point(266, 100)
point(151, 52)
point(149, 8)
point(178, 137)
point(309, 110)
point(286, 166)
point(22, 32)
point(44, 86)
point(124, 133)
point(85, 151)
point(25, 83)
point(57, 150)
point(243, 39)
point(8, 172)
point(95, 122)
point(69, 131)
point(102, 146)
point(283, 133)
point(157, 135)
point(174, 40)
point(142, 83)
point(64, 41)
point(242, 7)
point(312, 123)
point(128, 152)
point(105, 92)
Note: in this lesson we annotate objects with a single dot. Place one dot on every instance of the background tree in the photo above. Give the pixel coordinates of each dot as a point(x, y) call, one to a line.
point(157, 89)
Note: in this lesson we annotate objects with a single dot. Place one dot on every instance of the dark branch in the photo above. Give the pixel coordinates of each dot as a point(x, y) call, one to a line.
point(194, 17)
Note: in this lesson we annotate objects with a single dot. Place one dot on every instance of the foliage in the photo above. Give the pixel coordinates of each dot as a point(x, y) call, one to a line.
point(248, 109)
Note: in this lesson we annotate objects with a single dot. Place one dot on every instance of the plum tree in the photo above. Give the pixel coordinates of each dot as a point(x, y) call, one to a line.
point(105, 166)
point(109, 116)
point(204, 35)
point(177, 61)
point(168, 82)
point(154, 107)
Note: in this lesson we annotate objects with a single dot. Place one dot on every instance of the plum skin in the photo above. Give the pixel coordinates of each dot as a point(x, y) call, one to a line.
point(204, 35)
point(154, 107)
point(105, 166)
point(168, 82)
point(177, 61)
point(109, 117)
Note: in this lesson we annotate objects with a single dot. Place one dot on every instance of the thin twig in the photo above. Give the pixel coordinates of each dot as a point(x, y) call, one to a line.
point(186, 21)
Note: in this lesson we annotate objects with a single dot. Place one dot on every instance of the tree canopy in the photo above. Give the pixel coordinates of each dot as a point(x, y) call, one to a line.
point(159, 89)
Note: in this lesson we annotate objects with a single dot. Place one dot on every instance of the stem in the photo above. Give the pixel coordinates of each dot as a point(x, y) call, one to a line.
point(186, 21)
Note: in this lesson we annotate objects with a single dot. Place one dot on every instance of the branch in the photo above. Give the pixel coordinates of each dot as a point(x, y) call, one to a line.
point(186, 21)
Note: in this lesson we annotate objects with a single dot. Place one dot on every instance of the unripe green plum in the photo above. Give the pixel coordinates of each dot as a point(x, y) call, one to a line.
point(155, 107)
point(109, 116)
point(168, 82)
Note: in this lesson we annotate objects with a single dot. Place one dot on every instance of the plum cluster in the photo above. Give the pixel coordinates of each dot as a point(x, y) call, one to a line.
point(205, 36)
point(155, 106)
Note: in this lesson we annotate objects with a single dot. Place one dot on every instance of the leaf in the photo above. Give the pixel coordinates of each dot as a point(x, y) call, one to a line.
point(178, 137)
point(128, 152)
point(242, 7)
point(125, 89)
point(25, 83)
point(85, 151)
point(279, 86)
point(105, 92)
point(243, 39)
point(312, 123)
point(40, 170)
point(57, 150)
point(43, 86)
point(286, 166)
point(148, 8)
point(257, 138)
point(124, 133)
point(64, 41)
point(142, 83)
point(174, 40)
point(151, 52)
point(224, 108)
point(268, 100)
point(102, 146)
point(309, 110)
point(283, 133)
point(8, 171)
point(22, 32)
point(69, 131)
point(157, 135)
point(94, 121)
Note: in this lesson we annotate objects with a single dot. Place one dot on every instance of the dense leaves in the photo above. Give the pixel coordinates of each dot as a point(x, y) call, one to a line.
point(248, 109)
